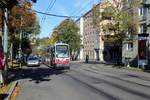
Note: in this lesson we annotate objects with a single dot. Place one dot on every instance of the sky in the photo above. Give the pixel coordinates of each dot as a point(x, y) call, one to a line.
point(60, 7)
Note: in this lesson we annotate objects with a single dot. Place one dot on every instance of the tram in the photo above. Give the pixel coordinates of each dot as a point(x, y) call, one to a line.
point(58, 56)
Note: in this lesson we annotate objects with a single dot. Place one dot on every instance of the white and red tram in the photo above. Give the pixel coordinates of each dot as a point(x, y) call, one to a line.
point(58, 56)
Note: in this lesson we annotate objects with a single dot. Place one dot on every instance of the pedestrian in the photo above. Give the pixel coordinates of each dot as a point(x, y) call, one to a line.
point(87, 59)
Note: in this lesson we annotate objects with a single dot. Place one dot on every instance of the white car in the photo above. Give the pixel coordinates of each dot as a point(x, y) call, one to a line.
point(33, 61)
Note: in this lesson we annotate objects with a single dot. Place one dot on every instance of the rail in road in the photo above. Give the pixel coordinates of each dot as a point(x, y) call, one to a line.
point(83, 83)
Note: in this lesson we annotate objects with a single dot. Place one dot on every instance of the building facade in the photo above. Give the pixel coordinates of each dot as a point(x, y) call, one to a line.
point(92, 38)
point(79, 23)
point(89, 37)
point(132, 46)
point(110, 50)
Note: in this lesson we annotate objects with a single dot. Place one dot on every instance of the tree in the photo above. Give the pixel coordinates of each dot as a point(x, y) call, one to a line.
point(23, 20)
point(119, 20)
point(67, 32)
point(9, 5)
point(54, 37)
point(42, 43)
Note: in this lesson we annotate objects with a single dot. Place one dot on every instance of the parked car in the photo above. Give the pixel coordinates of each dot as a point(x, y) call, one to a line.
point(33, 61)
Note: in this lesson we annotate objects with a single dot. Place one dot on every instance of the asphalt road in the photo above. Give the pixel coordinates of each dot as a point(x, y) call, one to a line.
point(83, 82)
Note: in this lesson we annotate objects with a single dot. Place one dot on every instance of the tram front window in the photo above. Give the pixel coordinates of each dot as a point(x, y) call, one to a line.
point(62, 51)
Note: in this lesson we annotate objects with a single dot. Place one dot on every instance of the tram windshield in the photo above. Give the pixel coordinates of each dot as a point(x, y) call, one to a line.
point(62, 51)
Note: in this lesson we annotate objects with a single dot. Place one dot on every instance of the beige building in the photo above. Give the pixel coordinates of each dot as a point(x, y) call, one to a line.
point(131, 48)
point(79, 23)
point(92, 38)
point(104, 21)
point(89, 37)
point(109, 51)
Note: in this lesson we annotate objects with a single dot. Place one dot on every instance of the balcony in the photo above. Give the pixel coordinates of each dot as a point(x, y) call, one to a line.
point(106, 16)
point(146, 3)
point(143, 18)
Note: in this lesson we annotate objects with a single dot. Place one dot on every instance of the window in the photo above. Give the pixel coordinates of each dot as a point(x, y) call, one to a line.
point(143, 11)
point(143, 28)
point(140, 11)
point(129, 46)
point(129, 1)
point(62, 51)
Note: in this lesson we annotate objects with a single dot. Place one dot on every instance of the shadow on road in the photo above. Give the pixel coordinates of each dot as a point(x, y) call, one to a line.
point(36, 74)
point(92, 62)
point(3, 96)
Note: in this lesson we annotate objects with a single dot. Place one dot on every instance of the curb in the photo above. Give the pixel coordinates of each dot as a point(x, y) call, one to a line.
point(11, 90)
point(134, 69)
point(47, 65)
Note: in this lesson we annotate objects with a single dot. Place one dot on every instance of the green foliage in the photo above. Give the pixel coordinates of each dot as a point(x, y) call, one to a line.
point(67, 32)
point(116, 24)
point(34, 29)
point(96, 14)
point(55, 36)
point(25, 21)
point(119, 21)
point(42, 41)
point(26, 47)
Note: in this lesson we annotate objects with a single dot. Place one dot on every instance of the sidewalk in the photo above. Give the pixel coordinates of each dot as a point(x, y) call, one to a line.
point(12, 78)
point(95, 62)
point(112, 65)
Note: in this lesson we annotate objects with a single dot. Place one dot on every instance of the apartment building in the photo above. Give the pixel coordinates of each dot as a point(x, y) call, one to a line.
point(79, 23)
point(89, 37)
point(92, 37)
point(110, 50)
point(132, 47)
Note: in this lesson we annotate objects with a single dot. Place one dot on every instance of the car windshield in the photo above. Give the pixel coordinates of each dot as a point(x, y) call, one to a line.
point(33, 58)
point(62, 51)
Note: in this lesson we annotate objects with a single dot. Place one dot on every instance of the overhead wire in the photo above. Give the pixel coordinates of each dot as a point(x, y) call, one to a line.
point(62, 16)
point(83, 8)
point(74, 11)
point(46, 10)
point(54, 15)
point(49, 9)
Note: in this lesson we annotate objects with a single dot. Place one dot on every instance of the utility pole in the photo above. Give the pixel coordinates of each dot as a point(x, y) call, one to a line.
point(5, 42)
point(20, 50)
